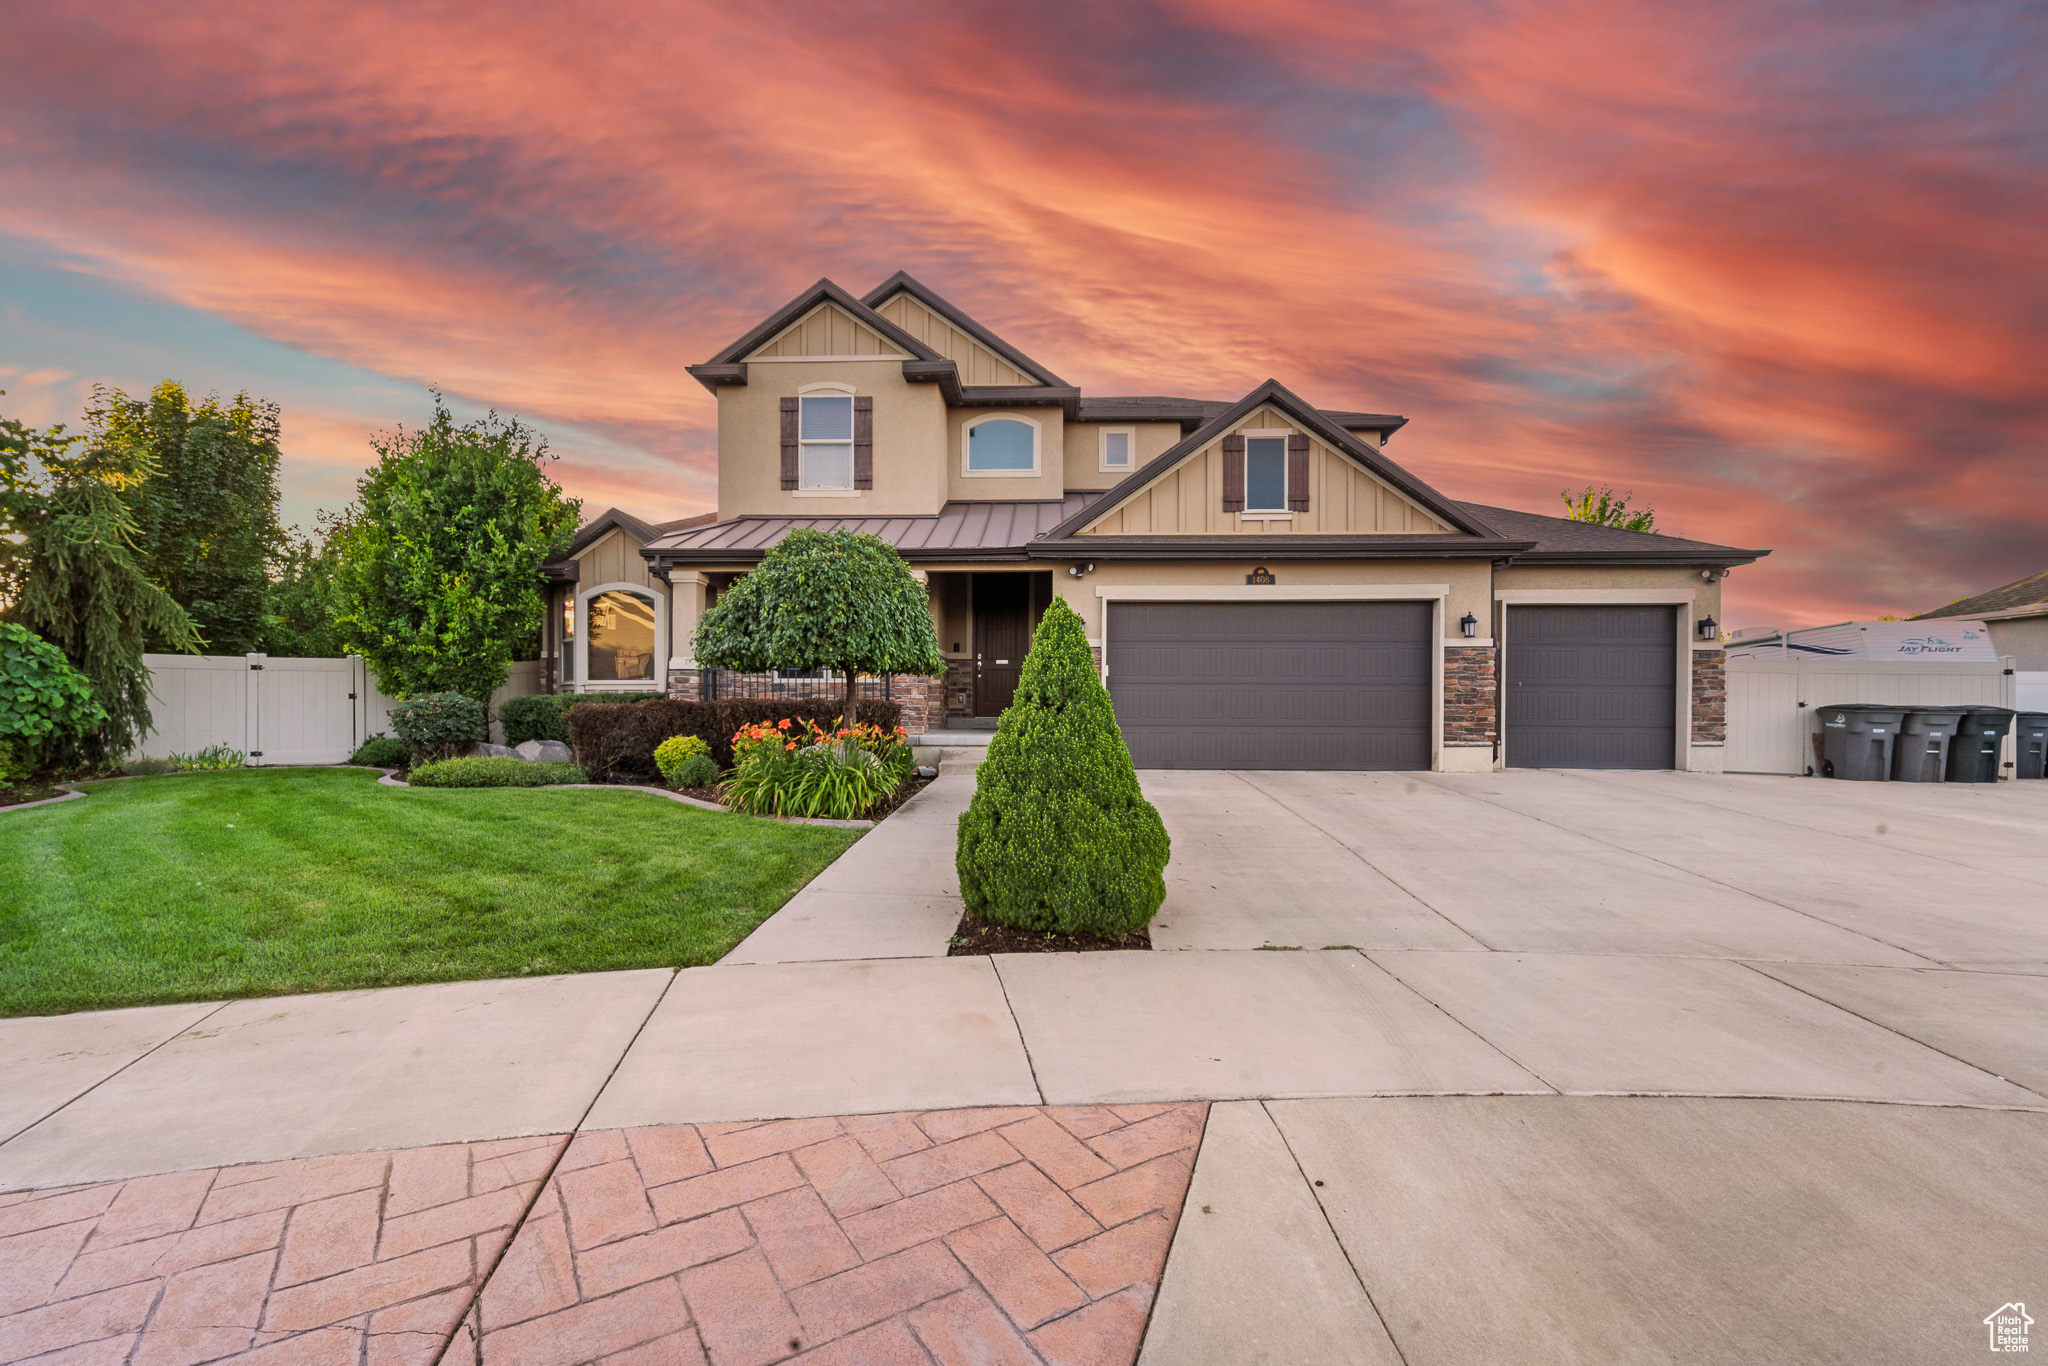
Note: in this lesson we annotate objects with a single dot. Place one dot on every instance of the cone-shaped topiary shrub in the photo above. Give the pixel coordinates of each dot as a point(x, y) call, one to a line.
point(1059, 836)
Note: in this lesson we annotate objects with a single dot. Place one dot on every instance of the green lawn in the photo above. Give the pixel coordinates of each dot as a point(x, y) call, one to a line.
point(265, 881)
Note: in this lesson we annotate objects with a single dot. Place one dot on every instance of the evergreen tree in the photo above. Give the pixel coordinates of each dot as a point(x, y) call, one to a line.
point(69, 573)
point(1059, 836)
point(206, 514)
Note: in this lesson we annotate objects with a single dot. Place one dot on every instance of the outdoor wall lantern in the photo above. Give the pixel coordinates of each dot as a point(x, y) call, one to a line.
point(1077, 570)
point(1469, 624)
point(1709, 629)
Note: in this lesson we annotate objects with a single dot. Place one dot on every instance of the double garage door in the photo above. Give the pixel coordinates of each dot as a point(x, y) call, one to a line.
point(1349, 685)
point(1334, 685)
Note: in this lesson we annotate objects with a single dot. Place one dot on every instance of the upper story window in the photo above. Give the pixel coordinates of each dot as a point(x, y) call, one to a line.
point(825, 441)
point(1119, 448)
point(1001, 446)
point(1265, 474)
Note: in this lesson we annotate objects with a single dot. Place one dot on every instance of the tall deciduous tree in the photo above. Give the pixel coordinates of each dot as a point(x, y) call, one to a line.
point(1605, 507)
point(69, 573)
point(206, 514)
point(833, 600)
point(438, 561)
point(298, 615)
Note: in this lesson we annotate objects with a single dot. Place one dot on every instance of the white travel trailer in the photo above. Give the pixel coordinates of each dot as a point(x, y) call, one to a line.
point(1938, 638)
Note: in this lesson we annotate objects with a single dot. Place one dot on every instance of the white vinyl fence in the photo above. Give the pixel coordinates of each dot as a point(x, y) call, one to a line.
point(279, 711)
point(1772, 703)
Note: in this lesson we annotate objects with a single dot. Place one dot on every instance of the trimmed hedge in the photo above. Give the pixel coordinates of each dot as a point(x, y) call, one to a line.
point(381, 751)
point(438, 725)
point(1059, 836)
point(540, 716)
point(483, 771)
point(611, 740)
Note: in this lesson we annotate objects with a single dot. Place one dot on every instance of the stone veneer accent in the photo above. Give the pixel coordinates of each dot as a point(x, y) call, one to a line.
point(959, 686)
point(1709, 697)
point(1471, 695)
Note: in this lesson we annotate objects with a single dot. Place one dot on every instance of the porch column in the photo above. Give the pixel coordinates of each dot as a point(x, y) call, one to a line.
point(685, 608)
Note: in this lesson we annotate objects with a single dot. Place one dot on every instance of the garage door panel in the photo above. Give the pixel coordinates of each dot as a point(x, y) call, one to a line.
point(1322, 685)
point(1591, 687)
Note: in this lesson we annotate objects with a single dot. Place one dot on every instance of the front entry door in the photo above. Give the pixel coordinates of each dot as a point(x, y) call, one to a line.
point(1002, 635)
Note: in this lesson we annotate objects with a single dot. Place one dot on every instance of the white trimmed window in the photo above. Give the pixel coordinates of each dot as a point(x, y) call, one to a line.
point(825, 438)
point(1119, 449)
point(1004, 445)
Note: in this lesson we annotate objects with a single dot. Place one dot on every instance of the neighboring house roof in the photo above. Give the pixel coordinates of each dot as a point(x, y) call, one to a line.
point(1333, 435)
point(902, 282)
point(960, 531)
point(1557, 539)
point(1191, 413)
point(2021, 597)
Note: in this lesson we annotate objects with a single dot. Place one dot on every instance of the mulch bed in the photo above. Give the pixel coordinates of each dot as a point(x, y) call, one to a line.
point(976, 936)
point(27, 792)
point(910, 787)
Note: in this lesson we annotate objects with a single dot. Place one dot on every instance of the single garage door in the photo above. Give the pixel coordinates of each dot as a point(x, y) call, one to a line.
point(1272, 684)
point(1591, 687)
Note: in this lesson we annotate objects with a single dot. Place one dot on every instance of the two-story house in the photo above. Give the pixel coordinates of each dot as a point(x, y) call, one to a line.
point(1262, 585)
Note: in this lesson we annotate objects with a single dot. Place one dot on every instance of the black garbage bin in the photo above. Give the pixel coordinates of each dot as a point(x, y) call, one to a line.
point(1856, 741)
point(2031, 740)
point(1973, 757)
point(1925, 736)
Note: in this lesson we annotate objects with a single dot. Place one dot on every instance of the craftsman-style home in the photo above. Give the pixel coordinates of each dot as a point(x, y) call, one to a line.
point(1265, 588)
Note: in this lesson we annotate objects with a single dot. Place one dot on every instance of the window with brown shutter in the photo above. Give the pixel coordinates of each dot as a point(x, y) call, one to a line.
point(864, 442)
point(789, 443)
point(1233, 473)
point(1297, 472)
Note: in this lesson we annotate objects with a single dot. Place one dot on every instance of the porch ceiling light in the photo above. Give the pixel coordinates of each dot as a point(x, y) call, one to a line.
point(1709, 629)
point(1469, 624)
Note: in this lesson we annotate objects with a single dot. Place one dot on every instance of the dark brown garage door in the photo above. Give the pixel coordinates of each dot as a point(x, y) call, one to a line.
point(1272, 685)
point(1591, 687)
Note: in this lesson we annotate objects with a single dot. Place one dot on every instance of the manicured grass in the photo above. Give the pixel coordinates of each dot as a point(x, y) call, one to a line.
point(254, 883)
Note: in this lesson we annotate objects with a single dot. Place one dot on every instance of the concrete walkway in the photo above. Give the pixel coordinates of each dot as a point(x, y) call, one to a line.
point(1728, 1068)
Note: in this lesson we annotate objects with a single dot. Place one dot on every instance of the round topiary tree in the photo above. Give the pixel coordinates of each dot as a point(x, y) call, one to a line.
point(1059, 836)
point(837, 600)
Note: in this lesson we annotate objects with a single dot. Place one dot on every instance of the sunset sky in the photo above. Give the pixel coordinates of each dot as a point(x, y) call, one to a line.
point(1779, 268)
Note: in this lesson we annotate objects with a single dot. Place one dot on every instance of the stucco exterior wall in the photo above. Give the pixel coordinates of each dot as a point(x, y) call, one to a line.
point(1706, 599)
point(1343, 497)
point(1084, 450)
point(910, 442)
point(2025, 640)
point(1046, 484)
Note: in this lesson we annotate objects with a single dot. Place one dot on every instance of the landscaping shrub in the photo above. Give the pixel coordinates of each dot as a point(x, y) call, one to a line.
point(381, 751)
point(698, 770)
point(610, 740)
point(804, 770)
point(439, 725)
point(482, 771)
point(671, 754)
point(541, 716)
point(212, 759)
point(41, 695)
point(1059, 836)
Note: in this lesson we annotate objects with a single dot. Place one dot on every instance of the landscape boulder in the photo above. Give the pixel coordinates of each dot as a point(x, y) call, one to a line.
point(543, 752)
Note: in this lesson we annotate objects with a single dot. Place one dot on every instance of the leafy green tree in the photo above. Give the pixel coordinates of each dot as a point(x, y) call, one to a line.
point(438, 561)
point(1607, 508)
point(206, 514)
point(69, 573)
point(834, 600)
point(1059, 835)
point(298, 612)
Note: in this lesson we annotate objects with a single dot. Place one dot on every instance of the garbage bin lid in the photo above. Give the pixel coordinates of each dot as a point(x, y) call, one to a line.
point(1986, 710)
point(1922, 709)
point(1893, 708)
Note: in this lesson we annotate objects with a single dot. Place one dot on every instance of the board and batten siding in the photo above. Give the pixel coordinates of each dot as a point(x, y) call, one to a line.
point(1343, 498)
point(978, 364)
point(826, 330)
point(616, 559)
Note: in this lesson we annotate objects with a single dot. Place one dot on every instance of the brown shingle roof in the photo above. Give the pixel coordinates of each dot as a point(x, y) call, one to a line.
point(1193, 412)
point(2032, 591)
point(1561, 538)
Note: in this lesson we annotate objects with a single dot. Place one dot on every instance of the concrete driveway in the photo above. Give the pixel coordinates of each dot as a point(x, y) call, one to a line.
point(1672, 864)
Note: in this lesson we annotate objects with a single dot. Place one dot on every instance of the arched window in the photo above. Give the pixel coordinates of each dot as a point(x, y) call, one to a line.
point(621, 635)
point(1001, 445)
